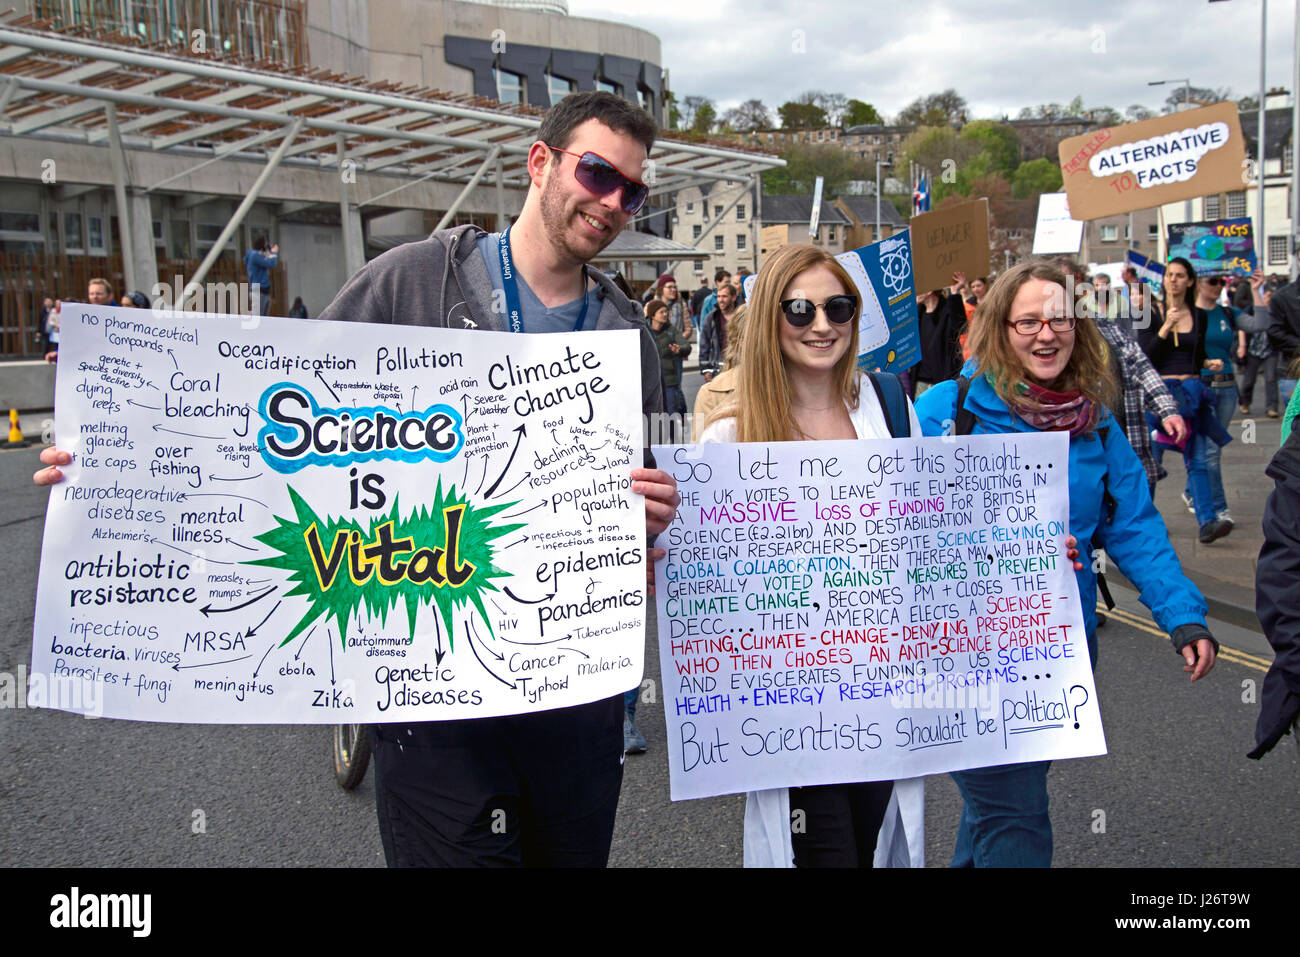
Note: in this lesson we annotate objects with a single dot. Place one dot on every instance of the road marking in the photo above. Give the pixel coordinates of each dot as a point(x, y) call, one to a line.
point(1228, 654)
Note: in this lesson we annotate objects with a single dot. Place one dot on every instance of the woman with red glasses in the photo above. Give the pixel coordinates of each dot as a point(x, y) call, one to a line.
point(1035, 367)
point(798, 380)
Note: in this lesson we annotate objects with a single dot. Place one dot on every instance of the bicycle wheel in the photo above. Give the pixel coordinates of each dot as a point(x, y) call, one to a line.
point(351, 754)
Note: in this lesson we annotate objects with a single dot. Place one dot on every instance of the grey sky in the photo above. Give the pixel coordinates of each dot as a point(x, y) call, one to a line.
point(999, 54)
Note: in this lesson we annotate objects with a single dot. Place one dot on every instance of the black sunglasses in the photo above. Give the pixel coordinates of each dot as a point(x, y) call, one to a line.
point(598, 175)
point(801, 312)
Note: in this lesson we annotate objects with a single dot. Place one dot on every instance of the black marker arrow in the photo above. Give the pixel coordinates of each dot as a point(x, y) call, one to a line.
point(474, 628)
point(414, 389)
point(228, 495)
point(231, 541)
point(304, 642)
point(152, 386)
point(516, 485)
point(252, 631)
point(235, 431)
point(464, 396)
point(535, 644)
point(331, 640)
point(218, 478)
point(521, 538)
point(202, 558)
point(508, 684)
point(208, 608)
point(583, 653)
point(465, 478)
point(173, 355)
point(519, 438)
point(327, 386)
point(438, 653)
point(498, 607)
point(524, 512)
point(263, 661)
point(524, 601)
point(208, 664)
point(141, 405)
point(483, 476)
point(192, 435)
point(258, 582)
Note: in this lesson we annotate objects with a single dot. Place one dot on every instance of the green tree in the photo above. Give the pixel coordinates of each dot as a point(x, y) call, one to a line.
point(943, 152)
point(750, 115)
point(806, 161)
point(999, 140)
point(674, 114)
point(857, 113)
point(706, 115)
point(937, 109)
point(690, 105)
point(1034, 177)
point(802, 116)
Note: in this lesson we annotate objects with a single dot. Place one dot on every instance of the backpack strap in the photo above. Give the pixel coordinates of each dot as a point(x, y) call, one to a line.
point(889, 391)
point(964, 418)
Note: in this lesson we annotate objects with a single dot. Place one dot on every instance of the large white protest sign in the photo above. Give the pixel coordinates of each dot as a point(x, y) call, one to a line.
point(326, 522)
point(871, 610)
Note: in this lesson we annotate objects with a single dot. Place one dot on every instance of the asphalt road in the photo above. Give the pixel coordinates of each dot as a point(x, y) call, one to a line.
point(1176, 788)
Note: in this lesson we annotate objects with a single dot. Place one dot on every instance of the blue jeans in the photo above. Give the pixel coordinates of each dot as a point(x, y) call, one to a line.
point(629, 701)
point(1211, 453)
point(1004, 820)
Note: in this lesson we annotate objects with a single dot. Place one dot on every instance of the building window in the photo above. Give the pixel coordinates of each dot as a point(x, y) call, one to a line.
point(95, 227)
point(1276, 250)
point(740, 212)
point(158, 233)
point(740, 240)
point(180, 239)
point(690, 207)
point(1153, 232)
point(608, 86)
point(558, 87)
point(1286, 159)
point(510, 86)
point(717, 209)
point(1236, 204)
point(1109, 234)
point(717, 244)
point(645, 99)
point(1212, 207)
point(20, 233)
point(830, 234)
point(696, 230)
point(72, 241)
point(207, 235)
point(1127, 235)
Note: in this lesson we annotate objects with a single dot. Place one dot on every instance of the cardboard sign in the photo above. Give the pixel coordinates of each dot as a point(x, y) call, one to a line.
point(282, 521)
point(772, 238)
point(869, 610)
point(949, 240)
point(1157, 161)
point(1056, 231)
point(1225, 247)
point(887, 334)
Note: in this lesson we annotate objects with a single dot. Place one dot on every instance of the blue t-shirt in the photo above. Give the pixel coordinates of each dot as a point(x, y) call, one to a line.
point(1221, 337)
point(538, 318)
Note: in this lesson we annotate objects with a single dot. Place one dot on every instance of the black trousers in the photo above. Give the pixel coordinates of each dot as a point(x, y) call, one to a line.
point(841, 823)
point(534, 790)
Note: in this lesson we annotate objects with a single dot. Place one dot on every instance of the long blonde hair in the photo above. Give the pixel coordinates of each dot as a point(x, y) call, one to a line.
point(762, 404)
point(1088, 370)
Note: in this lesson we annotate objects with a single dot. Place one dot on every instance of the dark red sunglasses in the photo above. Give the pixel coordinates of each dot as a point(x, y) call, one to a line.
point(598, 175)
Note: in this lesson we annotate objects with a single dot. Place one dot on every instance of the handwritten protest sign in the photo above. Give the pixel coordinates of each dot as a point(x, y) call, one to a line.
point(772, 238)
point(1149, 271)
point(1140, 165)
point(869, 610)
point(882, 271)
point(326, 522)
point(949, 240)
point(1224, 247)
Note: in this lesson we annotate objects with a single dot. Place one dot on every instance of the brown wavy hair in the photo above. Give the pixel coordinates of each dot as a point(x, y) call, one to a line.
point(762, 405)
point(1088, 370)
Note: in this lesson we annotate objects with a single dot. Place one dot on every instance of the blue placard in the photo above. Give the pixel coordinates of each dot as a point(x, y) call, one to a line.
point(1224, 247)
point(1149, 271)
point(887, 335)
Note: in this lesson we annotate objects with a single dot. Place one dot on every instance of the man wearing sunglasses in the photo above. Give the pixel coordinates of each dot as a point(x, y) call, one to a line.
point(441, 786)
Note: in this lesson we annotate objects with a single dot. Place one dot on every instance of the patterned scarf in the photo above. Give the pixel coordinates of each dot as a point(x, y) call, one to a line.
point(1053, 411)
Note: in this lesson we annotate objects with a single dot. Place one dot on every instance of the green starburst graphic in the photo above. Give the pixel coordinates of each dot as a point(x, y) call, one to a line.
point(323, 557)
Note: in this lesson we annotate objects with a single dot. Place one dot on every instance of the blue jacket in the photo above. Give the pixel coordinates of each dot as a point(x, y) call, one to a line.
point(1134, 538)
point(259, 268)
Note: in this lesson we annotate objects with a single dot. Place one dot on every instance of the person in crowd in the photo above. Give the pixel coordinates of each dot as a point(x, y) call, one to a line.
point(298, 310)
point(1284, 333)
point(258, 263)
point(136, 300)
point(720, 278)
point(713, 330)
point(697, 299)
point(679, 314)
point(974, 293)
point(1225, 340)
point(1277, 600)
point(98, 292)
point(1039, 367)
point(53, 328)
point(672, 346)
point(798, 380)
point(742, 273)
point(1252, 297)
point(1293, 407)
point(1106, 302)
point(941, 320)
point(720, 388)
point(1175, 343)
point(47, 309)
point(555, 774)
